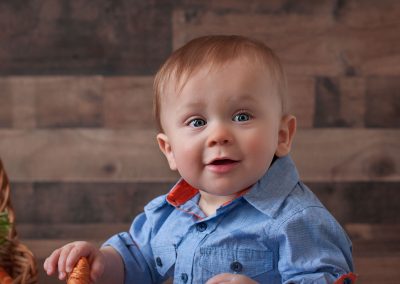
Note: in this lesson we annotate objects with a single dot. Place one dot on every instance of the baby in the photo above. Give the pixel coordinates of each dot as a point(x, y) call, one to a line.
point(239, 213)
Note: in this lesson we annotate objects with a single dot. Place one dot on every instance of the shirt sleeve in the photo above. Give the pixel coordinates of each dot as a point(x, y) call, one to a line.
point(313, 248)
point(135, 251)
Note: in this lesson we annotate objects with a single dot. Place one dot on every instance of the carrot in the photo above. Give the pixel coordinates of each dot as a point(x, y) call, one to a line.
point(5, 278)
point(81, 273)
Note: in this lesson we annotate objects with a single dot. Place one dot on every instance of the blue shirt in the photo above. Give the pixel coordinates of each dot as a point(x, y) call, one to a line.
point(276, 232)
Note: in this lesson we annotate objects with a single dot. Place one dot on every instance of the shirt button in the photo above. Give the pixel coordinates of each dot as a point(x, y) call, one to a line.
point(184, 277)
point(236, 266)
point(201, 227)
point(158, 261)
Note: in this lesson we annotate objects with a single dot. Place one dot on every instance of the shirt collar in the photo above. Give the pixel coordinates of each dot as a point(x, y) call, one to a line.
point(268, 194)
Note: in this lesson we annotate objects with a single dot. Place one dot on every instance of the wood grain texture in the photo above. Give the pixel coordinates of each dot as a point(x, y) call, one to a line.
point(301, 94)
point(83, 37)
point(83, 155)
point(106, 101)
point(383, 102)
point(69, 102)
point(80, 203)
point(340, 102)
point(128, 102)
point(322, 41)
point(51, 204)
point(347, 154)
point(5, 104)
point(132, 155)
point(361, 203)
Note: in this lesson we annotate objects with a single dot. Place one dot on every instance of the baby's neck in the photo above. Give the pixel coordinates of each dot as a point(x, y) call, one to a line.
point(210, 203)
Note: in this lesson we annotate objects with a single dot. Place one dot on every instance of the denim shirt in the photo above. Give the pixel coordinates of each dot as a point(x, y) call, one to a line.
point(277, 232)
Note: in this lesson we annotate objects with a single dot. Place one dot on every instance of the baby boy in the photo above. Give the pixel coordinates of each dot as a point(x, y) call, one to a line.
point(239, 212)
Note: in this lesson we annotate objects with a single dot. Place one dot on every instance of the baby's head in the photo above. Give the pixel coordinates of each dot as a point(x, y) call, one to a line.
point(213, 52)
point(220, 104)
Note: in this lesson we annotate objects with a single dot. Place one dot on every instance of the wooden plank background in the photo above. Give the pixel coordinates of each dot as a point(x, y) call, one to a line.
point(77, 135)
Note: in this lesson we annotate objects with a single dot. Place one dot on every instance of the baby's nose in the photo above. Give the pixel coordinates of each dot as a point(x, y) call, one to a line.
point(220, 135)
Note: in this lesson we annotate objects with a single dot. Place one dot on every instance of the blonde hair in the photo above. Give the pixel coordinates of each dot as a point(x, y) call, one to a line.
point(215, 50)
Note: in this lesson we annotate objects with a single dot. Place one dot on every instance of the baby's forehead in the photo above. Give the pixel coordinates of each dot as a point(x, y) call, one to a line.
point(210, 68)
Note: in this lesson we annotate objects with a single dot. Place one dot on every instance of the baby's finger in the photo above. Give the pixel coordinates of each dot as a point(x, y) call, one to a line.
point(79, 250)
point(62, 260)
point(51, 262)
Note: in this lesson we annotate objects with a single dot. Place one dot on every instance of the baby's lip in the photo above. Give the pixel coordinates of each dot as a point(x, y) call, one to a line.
point(222, 161)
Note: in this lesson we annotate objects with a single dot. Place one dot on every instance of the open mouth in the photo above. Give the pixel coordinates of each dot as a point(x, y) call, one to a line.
point(222, 162)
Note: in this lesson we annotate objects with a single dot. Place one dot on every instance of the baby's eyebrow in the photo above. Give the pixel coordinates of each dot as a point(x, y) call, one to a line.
point(242, 98)
point(190, 105)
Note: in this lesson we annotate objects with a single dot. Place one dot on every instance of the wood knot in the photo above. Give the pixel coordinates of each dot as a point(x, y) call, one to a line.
point(382, 167)
point(109, 168)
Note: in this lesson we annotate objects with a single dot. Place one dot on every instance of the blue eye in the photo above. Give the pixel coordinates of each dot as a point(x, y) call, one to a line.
point(197, 122)
point(240, 117)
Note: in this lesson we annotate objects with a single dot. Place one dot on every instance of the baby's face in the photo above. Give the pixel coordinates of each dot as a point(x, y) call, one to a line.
point(221, 130)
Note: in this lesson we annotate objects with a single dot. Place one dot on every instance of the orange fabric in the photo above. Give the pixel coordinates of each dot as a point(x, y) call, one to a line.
point(181, 193)
point(348, 278)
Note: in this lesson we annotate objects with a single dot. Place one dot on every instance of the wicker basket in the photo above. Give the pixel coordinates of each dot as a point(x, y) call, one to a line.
point(15, 257)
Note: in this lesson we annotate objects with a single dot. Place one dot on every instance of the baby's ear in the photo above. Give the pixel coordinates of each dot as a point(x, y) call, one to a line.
point(287, 130)
point(165, 147)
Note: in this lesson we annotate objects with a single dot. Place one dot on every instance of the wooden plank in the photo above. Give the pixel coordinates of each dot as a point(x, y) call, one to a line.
point(340, 102)
point(85, 231)
point(352, 100)
point(347, 154)
point(301, 94)
point(83, 155)
point(64, 37)
point(383, 102)
point(69, 101)
point(378, 232)
point(361, 202)
point(322, 42)
point(278, 6)
point(378, 269)
point(303, 51)
point(5, 104)
point(48, 204)
point(53, 203)
point(112, 102)
point(23, 91)
point(128, 102)
point(132, 155)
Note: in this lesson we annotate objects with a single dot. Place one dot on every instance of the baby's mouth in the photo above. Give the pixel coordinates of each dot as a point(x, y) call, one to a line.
point(222, 166)
point(220, 162)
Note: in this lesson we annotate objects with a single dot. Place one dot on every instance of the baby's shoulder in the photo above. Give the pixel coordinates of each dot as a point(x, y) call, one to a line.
point(303, 207)
point(156, 204)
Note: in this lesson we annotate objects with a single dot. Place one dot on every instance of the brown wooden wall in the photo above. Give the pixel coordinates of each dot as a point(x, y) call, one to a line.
point(76, 131)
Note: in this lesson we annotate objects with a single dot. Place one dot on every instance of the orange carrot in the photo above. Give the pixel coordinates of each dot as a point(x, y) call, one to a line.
point(81, 273)
point(5, 278)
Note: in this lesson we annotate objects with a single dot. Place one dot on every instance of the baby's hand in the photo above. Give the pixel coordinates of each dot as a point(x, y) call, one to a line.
point(65, 258)
point(231, 278)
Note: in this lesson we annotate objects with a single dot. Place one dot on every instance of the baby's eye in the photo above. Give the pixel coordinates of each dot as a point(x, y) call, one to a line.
point(197, 122)
point(241, 117)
